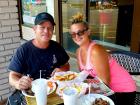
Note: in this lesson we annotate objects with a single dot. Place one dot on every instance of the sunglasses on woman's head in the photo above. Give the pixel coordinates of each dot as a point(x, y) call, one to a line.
point(79, 33)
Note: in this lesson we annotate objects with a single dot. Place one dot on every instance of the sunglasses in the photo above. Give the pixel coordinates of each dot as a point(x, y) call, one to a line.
point(79, 33)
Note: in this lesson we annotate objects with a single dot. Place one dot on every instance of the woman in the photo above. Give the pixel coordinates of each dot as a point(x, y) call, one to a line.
point(94, 60)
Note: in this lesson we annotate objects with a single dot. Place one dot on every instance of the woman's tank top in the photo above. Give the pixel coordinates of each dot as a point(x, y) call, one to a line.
point(121, 80)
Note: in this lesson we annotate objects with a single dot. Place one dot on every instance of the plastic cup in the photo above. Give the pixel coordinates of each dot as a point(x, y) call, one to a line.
point(70, 96)
point(39, 87)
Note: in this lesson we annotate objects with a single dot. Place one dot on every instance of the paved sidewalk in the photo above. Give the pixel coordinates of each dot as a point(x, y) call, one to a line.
point(73, 64)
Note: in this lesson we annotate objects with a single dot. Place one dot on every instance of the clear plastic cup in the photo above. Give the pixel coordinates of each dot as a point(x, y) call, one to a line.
point(70, 96)
point(39, 87)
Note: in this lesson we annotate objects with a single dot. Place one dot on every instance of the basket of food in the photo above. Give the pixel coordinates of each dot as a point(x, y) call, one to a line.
point(61, 77)
point(30, 96)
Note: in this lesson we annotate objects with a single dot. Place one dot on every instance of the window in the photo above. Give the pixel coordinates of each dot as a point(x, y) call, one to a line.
point(110, 23)
point(30, 8)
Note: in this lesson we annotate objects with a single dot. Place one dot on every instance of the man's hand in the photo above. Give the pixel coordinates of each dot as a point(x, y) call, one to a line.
point(19, 81)
point(63, 68)
point(24, 83)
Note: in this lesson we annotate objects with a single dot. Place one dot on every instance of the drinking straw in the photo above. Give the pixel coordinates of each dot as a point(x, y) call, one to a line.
point(89, 86)
point(28, 75)
point(40, 74)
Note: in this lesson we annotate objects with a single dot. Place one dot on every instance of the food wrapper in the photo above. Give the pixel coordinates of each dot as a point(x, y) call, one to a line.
point(69, 76)
point(81, 76)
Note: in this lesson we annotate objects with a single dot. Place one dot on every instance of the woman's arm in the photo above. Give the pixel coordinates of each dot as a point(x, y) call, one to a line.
point(101, 63)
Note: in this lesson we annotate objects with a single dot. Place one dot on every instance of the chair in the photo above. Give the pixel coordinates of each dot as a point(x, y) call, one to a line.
point(131, 62)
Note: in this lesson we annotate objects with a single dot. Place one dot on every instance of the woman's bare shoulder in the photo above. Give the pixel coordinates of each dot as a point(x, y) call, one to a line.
point(98, 49)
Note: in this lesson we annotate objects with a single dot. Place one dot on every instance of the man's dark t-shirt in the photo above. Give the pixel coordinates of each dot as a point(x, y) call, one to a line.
point(30, 59)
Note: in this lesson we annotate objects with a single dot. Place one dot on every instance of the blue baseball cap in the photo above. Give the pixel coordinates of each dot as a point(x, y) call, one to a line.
point(42, 17)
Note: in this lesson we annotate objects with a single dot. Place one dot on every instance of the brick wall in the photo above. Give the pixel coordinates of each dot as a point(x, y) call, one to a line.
point(9, 41)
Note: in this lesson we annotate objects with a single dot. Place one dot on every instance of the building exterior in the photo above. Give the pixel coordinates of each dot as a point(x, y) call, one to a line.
point(14, 27)
point(9, 41)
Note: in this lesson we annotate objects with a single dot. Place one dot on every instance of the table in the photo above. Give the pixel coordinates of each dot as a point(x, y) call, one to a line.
point(53, 99)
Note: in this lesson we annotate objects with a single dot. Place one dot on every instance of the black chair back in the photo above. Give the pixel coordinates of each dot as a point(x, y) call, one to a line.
point(131, 62)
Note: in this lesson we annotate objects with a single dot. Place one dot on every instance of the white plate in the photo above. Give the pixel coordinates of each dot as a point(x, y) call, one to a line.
point(50, 90)
point(89, 99)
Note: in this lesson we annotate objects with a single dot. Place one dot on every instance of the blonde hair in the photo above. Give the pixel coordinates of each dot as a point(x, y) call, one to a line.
point(79, 18)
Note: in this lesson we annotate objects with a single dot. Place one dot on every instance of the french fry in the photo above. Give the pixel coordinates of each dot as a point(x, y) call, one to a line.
point(65, 77)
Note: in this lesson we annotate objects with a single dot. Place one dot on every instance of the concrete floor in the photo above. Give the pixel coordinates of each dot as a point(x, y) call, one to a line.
point(73, 64)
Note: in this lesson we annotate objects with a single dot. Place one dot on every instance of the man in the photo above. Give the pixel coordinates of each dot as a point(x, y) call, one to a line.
point(40, 54)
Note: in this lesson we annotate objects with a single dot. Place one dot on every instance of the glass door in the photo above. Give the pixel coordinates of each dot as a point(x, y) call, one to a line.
point(107, 20)
point(103, 17)
point(70, 8)
point(29, 9)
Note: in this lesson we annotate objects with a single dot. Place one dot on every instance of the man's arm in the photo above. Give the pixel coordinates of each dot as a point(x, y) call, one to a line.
point(65, 67)
point(19, 81)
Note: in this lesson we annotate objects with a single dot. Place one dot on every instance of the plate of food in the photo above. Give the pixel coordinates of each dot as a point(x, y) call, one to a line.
point(68, 76)
point(80, 87)
point(51, 88)
point(95, 99)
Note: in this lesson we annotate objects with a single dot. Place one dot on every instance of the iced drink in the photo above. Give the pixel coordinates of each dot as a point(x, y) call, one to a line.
point(39, 87)
point(70, 96)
